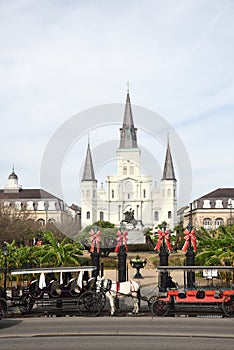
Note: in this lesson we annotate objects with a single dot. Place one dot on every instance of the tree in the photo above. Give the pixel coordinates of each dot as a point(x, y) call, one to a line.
point(17, 225)
point(108, 237)
point(104, 224)
point(65, 253)
point(216, 248)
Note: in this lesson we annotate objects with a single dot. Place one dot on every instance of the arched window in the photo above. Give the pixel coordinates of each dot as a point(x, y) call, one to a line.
point(88, 215)
point(131, 170)
point(101, 216)
point(230, 221)
point(218, 222)
point(156, 216)
point(41, 222)
point(169, 215)
point(51, 221)
point(168, 193)
point(144, 193)
point(207, 223)
point(112, 194)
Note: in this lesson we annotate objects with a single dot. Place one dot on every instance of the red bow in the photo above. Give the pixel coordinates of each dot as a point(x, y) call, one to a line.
point(95, 238)
point(121, 239)
point(161, 237)
point(189, 238)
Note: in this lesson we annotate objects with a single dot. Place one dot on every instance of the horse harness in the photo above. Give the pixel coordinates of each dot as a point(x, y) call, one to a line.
point(108, 287)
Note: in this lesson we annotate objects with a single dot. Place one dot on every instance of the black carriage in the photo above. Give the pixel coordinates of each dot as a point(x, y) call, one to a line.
point(56, 290)
point(204, 290)
point(3, 307)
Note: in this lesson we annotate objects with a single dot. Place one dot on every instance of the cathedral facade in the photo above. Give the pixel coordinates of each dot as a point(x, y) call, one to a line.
point(129, 196)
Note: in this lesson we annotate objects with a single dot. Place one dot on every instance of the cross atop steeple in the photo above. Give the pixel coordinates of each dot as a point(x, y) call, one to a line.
point(128, 86)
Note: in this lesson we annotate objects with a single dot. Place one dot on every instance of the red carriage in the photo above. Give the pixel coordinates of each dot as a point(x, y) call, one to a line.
point(212, 291)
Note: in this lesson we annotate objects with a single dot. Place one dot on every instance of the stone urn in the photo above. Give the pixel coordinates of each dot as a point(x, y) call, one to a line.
point(138, 264)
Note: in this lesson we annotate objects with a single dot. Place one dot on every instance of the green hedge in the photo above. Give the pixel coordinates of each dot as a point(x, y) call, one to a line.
point(139, 248)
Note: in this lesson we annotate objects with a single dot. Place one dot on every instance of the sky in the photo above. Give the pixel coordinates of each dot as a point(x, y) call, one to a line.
point(60, 58)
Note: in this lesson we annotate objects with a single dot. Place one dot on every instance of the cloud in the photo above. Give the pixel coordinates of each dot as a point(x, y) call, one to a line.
point(59, 58)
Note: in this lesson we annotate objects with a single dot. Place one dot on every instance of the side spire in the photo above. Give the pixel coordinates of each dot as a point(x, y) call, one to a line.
point(168, 173)
point(88, 173)
point(128, 138)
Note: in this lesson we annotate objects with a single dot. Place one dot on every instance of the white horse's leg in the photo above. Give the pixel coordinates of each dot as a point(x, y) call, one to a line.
point(112, 303)
point(135, 305)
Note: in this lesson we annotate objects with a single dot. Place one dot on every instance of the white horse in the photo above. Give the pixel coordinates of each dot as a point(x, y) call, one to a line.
point(114, 289)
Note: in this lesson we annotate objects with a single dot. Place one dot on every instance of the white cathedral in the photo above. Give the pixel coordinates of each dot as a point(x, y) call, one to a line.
point(129, 194)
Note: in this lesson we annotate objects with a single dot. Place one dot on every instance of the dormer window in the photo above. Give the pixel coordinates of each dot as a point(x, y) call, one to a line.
point(218, 203)
point(206, 203)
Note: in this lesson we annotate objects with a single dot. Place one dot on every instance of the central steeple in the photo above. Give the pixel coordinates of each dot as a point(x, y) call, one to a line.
point(128, 138)
point(128, 153)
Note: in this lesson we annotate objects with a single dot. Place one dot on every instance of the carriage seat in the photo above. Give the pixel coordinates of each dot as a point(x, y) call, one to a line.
point(218, 294)
point(182, 294)
point(34, 288)
point(90, 284)
point(68, 285)
point(72, 287)
point(200, 294)
point(54, 288)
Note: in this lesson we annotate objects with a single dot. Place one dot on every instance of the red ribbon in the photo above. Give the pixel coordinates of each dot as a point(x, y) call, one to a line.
point(189, 238)
point(161, 237)
point(95, 238)
point(121, 239)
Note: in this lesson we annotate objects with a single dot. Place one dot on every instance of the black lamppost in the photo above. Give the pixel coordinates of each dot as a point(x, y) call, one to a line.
point(230, 206)
point(190, 254)
point(95, 238)
point(121, 249)
point(5, 253)
point(163, 256)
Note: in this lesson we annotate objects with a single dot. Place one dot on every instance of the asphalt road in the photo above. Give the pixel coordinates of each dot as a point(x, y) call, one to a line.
point(116, 333)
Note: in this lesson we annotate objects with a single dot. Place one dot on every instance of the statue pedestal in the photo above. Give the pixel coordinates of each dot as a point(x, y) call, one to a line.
point(136, 237)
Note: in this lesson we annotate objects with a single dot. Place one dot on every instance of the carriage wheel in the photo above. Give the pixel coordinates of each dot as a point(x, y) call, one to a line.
point(3, 307)
point(152, 299)
point(90, 304)
point(159, 308)
point(228, 305)
point(102, 296)
point(26, 304)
